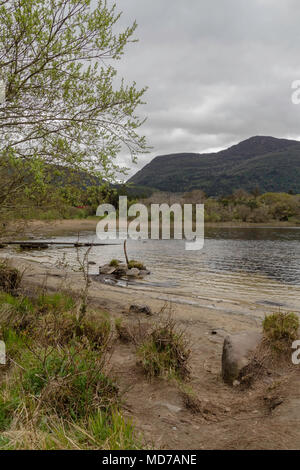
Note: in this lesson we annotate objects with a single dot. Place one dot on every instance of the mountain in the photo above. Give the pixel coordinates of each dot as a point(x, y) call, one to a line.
point(266, 162)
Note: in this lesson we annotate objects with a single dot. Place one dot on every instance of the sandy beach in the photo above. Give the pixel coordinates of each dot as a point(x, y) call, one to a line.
point(232, 418)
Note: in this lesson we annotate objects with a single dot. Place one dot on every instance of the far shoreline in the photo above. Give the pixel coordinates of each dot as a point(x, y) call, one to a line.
point(65, 227)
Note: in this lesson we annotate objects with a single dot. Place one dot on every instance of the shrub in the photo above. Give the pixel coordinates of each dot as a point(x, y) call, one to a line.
point(114, 263)
point(165, 351)
point(15, 342)
point(97, 333)
point(10, 278)
point(68, 381)
point(281, 326)
point(16, 312)
point(281, 329)
point(135, 264)
point(64, 328)
point(55, 392)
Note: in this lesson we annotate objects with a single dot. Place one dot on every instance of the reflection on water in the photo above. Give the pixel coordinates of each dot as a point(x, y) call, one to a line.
point(252, 265)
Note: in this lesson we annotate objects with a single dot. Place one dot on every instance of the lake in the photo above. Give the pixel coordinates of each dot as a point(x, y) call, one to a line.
point(239, 269)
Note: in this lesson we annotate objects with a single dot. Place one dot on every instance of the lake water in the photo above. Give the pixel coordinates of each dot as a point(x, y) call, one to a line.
point(239, 269)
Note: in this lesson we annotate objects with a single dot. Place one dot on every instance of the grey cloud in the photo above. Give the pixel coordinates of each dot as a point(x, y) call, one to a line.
point(218, 71)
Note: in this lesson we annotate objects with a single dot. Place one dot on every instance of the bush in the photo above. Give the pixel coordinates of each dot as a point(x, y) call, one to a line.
point(64, 328)
point(135, 264)
point(10, 278)
point(281, 329)
point(55, 392)
point(68, 381)
point(114, 263)
point(17, 313)
point(98, 333)
point(165, 351)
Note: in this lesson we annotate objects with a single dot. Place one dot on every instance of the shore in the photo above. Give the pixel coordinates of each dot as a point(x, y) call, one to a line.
point(233, 419)
point(64, 227)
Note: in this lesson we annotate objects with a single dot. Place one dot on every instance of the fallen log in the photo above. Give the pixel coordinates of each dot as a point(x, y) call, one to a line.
point(44, 243)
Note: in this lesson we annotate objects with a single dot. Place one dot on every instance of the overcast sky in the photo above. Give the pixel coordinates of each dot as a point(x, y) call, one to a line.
point(218, 71)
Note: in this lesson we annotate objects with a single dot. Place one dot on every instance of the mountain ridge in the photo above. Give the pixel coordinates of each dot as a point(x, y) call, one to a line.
point(272, 164)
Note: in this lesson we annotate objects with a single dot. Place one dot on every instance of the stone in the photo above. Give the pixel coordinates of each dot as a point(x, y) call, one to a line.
point(120, 271)
point(237, 352)
point(144, 272)
point(122, 266)
point(107, 269)
point(134, 308)
point(133, 272)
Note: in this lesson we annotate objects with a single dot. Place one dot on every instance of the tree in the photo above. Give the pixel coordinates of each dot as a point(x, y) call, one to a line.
point(62, 107)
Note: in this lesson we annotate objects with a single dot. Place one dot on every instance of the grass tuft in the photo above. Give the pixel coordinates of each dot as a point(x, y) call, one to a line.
point(165, 351)
point(280, 330)
point(10, 278)
point(135, 264)
point(114, 263)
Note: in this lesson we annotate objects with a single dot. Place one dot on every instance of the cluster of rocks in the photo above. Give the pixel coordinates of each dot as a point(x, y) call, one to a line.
point(122, 270)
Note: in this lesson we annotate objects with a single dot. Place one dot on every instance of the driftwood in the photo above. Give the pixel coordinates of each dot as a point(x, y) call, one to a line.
point(40, 245)
point(125, 252)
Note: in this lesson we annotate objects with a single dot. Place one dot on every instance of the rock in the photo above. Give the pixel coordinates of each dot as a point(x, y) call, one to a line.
point(134, 308)
point(237, 350)
point(133, 272)
point(119, 271)
point(144, 272)
point(122, 266)
point(107, 269)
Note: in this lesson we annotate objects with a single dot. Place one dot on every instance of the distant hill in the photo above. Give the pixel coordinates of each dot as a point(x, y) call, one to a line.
point(265, 162)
